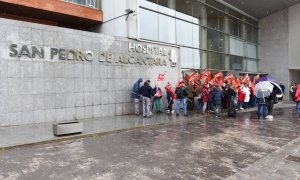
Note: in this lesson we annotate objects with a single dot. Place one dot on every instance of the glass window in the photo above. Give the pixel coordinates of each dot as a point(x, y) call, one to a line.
point(236, 47)
point(184, 33)
point(249, 33)
point(216, 4)
point(235, 27)
point(148, 30)
point(251, 65)
point(236, 63)
point(184, 7)
point(215, 60)
point(215, 40)
point(197, 30)
point(167, 7)
point(212, 18)
point(255, 35)
point(199, 13)
point(166, 29)
point(151, 4)
point(251, 51)
point(197, 57)
point(236, 14)
point(187, 60)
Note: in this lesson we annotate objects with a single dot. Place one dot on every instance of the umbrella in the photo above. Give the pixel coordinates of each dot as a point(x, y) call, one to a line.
point(263, 89)
point(277, 89)
point(265, 78)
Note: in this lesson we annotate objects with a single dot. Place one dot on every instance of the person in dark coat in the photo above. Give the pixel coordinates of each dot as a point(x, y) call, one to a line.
point(216, 97)
point(181, 94)
point(147, 92)
point(170, 102)
point(136, 95)
point(270, 104)
point(261, 108)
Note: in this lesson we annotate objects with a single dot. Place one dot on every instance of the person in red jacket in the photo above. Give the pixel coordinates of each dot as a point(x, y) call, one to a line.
point(241, 98)
point(205, 94)
point(297, 99)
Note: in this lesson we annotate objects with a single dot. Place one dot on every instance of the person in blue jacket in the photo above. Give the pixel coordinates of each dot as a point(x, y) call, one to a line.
point(136, 95)
point(216, 97)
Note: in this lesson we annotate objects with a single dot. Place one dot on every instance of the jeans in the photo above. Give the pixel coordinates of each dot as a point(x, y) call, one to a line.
point(298, 108)
point(157, 105)
point(263, 108)
point(246, 105)
point(136, 106)
point(199, 105)
point(217, 109)
point(146, 106)
point(204, 106)
point(253, 102)
point(183, 100)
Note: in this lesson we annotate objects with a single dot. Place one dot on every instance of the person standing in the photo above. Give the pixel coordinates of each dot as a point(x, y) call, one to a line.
point(157, 100)
point(241, 98)
point(246, 90)
point(216, 97)
point(136, 96)
point(181, 94)
point(297, 98)
point(205, 93)
point(293, 91)
point(270, 104)
point(191, 96)
point(283, 89)
point(146, 91)
point(199, 102)
point(262, 108)
point(170, 102)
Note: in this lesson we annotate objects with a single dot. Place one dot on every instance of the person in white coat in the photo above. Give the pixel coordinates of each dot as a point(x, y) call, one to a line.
point(246, 90)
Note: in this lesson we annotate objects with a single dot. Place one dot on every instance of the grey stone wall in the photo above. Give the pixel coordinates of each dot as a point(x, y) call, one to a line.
point(273, 46)
point(37, 90)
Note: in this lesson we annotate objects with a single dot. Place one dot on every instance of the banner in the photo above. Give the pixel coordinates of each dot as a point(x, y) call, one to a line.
point(254, 80)
point(197, 84)
point(162, 76)
point(246, 79)
point(228, 77)
point(169, 88)
point(193, 77)
point(204, 74)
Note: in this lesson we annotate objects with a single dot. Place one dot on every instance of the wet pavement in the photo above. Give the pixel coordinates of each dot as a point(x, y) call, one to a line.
point(207, 148)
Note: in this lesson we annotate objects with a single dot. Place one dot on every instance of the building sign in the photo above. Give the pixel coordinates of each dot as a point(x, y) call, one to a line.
point(137, 54)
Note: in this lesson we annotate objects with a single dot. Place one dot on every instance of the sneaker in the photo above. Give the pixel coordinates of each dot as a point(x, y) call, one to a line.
point(177, 114)
point(168, 111)
point(270, 117)
point(241, 108)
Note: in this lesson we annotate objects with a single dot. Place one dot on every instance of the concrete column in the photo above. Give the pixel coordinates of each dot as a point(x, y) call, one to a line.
point(172, 4)
point(243, 29)
point(203, 34)
point(226, 42)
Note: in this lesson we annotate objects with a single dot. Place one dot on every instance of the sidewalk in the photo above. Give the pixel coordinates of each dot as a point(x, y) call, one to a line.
point(42, 133)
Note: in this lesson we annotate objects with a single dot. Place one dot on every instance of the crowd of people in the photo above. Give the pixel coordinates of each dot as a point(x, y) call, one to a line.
point(205, 99)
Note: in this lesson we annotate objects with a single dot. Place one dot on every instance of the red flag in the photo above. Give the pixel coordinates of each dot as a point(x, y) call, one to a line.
point(228, 77)
point(205, 73)
point(169, 88)
point(193, 77)
point(254, 80)
point(197, 84)
point(162, 76)
point(245, 79)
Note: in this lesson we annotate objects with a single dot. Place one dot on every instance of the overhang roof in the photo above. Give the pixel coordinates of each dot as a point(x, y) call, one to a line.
point(261, 8)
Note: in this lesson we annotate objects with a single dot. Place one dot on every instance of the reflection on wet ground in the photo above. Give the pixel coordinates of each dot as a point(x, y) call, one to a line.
point(209, 148)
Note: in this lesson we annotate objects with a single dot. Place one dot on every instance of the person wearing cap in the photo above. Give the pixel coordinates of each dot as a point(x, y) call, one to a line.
point(147, 92)
point(181, 94)
point(136, 95)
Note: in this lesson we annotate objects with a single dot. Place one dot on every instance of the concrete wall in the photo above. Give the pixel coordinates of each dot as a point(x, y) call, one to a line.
point(294, 37)
point(36, 90)
point(273, 46)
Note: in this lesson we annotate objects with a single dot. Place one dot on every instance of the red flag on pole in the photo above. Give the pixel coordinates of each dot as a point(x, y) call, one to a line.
point(162, 76)
point(193, 77)
point(246, 79)
point(204, 74)
point(169, 88)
